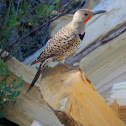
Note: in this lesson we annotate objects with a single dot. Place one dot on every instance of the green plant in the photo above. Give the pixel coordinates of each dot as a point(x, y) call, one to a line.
point(25, 21)
point(8, 89)
point(18, 18)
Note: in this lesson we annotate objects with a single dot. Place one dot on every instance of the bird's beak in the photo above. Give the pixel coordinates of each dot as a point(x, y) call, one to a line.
point(98, 12)
point(93, 14)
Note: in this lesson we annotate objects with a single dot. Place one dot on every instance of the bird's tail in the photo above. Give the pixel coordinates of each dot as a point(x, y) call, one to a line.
point(35, 78)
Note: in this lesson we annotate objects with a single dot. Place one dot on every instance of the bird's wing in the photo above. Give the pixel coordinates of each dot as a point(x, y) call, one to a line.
point(44, 54)
point(57, 45)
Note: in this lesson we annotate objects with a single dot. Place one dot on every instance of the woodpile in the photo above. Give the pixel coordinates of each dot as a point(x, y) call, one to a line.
point(72, 94)
point(101, 55)
point(69, 99)
point(31, 106)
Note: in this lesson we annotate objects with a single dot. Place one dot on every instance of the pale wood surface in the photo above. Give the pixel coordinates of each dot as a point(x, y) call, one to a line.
point(21, 70)
point(36, 123)
point(117, 99)
point(30, 107)
point(91, 3)
point(61, 22)
point(106, 65)
point(69, 92)
point(58, 24)
point(122, 112)
point(73, 94)
point(118, 92)
point(102, 26)
point(115, 107)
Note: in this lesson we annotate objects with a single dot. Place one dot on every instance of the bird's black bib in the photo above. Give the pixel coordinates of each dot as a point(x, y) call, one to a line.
point(81, 36)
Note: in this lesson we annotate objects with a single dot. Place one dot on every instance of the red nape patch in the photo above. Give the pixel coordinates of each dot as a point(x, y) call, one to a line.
point(87, 19)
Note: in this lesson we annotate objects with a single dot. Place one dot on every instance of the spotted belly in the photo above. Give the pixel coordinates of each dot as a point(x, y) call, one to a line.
point(71, 49)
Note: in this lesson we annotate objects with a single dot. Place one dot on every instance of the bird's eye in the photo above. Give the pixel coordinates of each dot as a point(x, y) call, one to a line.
point(86, 14)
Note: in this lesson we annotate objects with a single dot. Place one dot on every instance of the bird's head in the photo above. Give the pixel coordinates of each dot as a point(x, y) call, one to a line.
point(84, 15)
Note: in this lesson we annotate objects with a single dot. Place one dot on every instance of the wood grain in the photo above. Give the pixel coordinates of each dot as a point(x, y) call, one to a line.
point(117, 99)
point(106, 65)
point(21, 70)
point(30, 107)
point(72, 93)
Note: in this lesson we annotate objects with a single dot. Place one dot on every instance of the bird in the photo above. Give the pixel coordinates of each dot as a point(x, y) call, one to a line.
point(65, 42)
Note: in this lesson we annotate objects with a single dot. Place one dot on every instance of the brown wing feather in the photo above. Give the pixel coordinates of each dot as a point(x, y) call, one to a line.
point(43, 55)
point(37, 61)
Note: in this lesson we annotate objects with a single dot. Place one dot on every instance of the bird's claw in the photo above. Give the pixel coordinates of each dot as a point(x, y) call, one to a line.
point(70, 68)
point(64, 70)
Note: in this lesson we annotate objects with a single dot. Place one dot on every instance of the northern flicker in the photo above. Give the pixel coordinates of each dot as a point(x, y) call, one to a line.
point(65, 41)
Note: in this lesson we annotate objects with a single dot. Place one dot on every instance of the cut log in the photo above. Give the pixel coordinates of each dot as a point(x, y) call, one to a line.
point(20, 70)
point(71, 98)
point(115, 106)
point(31, 106)
point(122, 112)
point(106, 65)
point(106, 26)
point(72, 95)
point(117, 99)
point(103, 52)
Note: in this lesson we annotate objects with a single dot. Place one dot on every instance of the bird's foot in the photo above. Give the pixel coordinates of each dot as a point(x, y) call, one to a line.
point(70, 68)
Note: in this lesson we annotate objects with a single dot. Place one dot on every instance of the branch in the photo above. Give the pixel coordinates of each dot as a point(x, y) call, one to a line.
point(35, 29)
